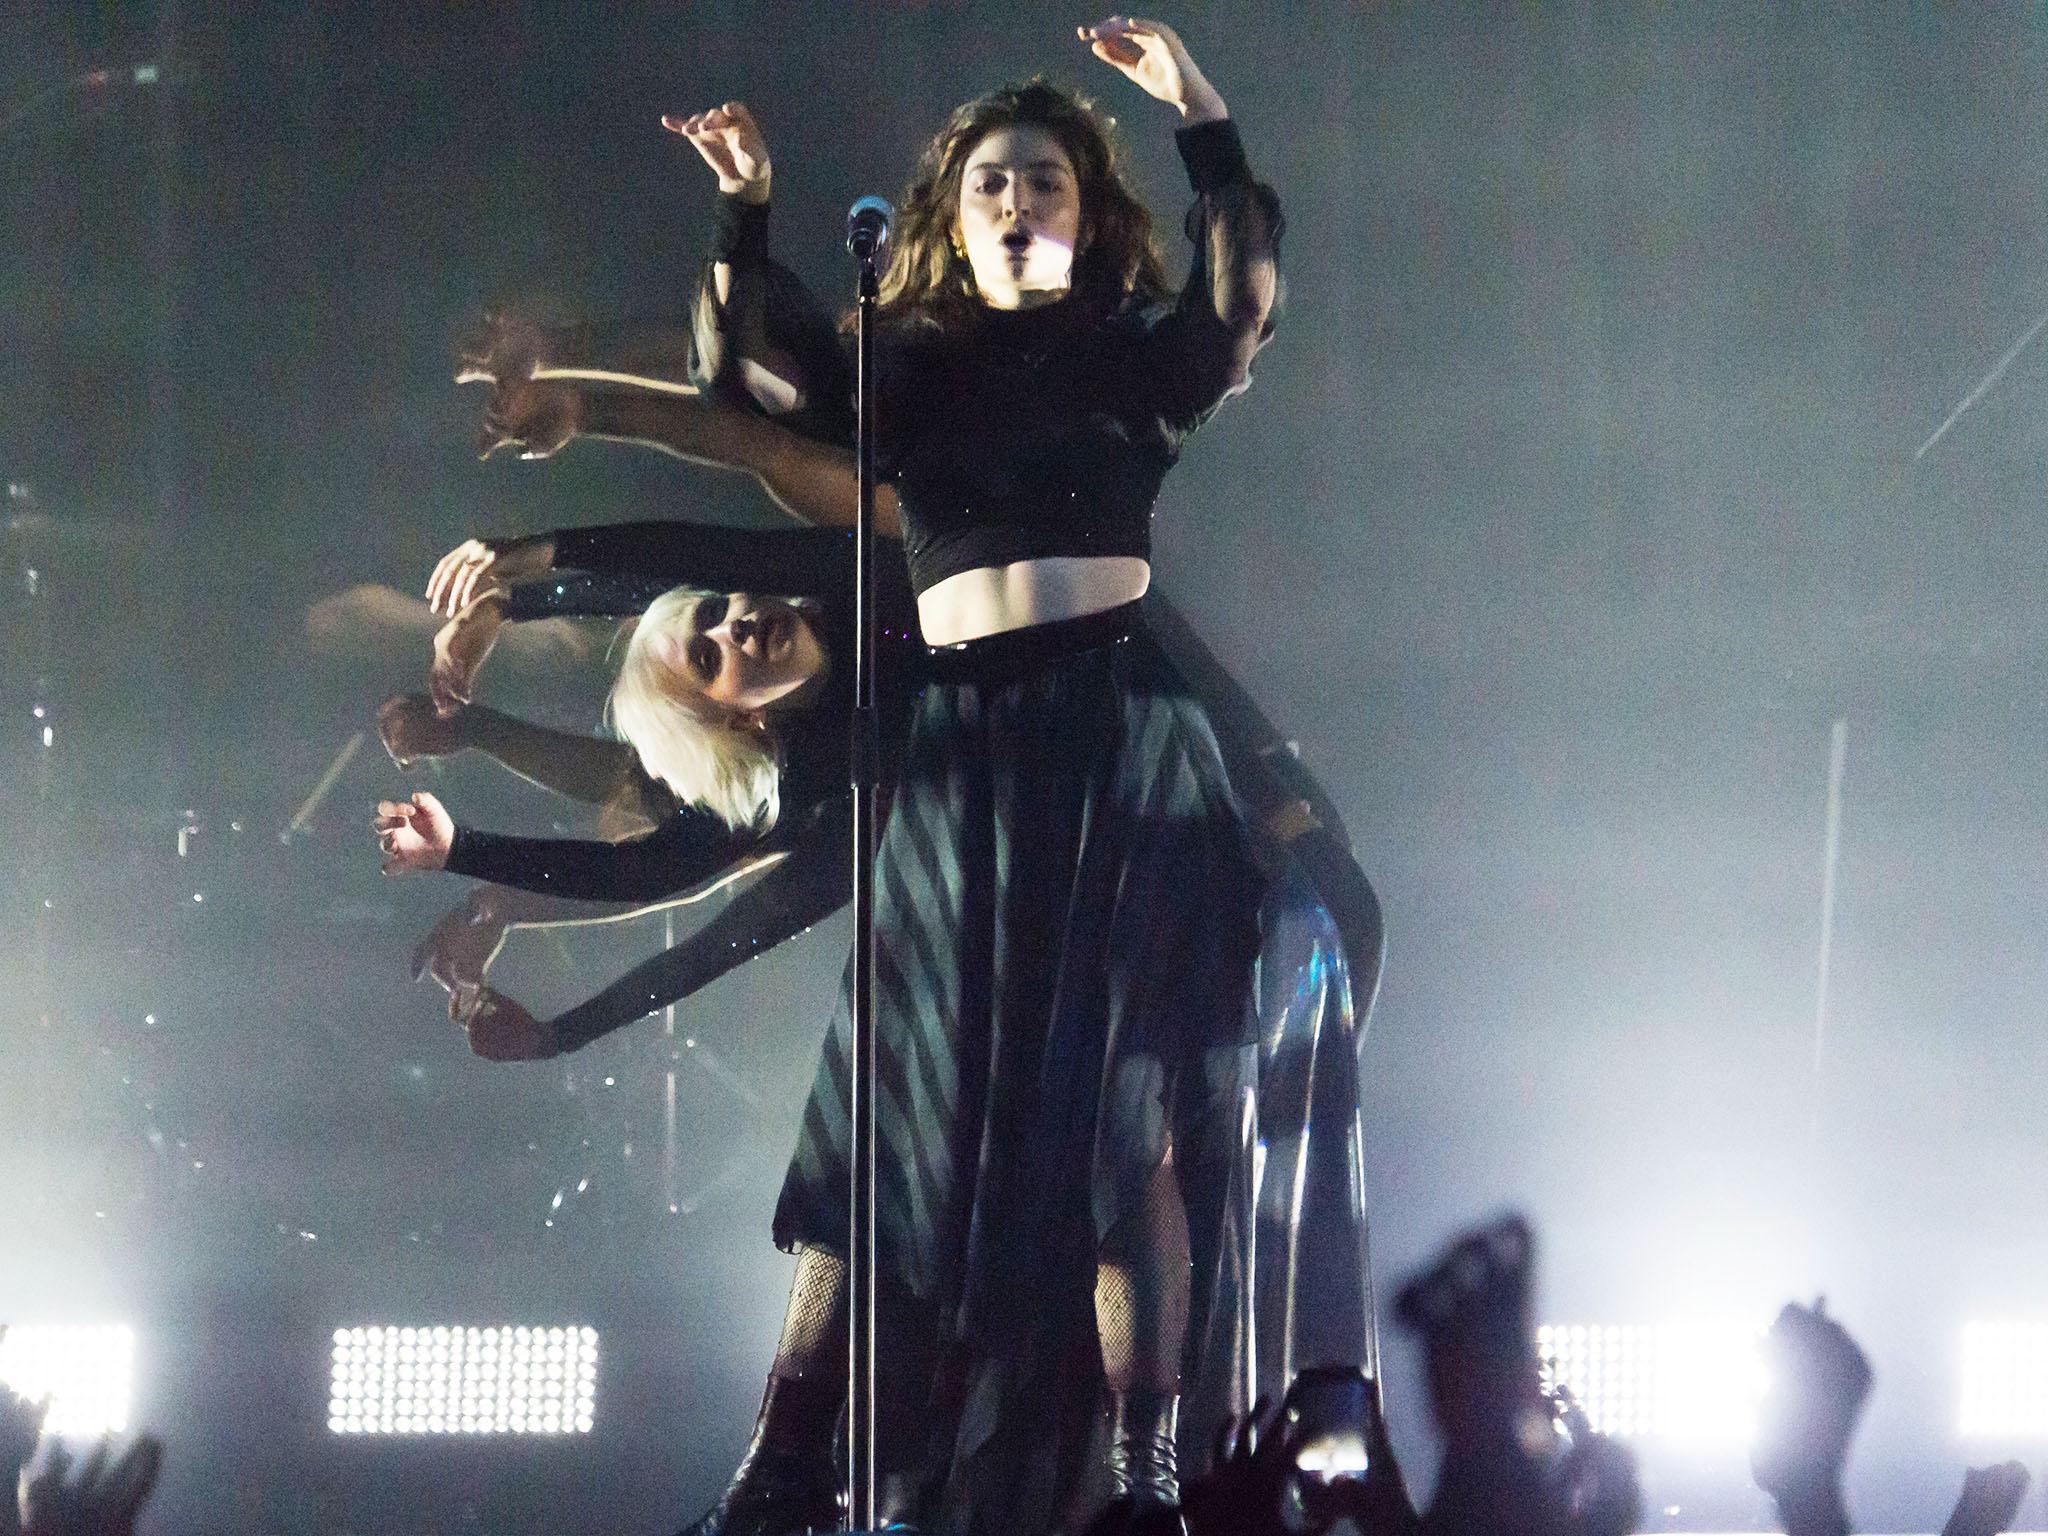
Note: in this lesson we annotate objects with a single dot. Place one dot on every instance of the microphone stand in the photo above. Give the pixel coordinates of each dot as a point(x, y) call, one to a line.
point(860, 1272)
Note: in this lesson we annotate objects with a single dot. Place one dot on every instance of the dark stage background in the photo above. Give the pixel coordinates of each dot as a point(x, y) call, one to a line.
point(1580, 497)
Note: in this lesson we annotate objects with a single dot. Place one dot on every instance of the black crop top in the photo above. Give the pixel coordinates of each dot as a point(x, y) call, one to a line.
point(1024, 433)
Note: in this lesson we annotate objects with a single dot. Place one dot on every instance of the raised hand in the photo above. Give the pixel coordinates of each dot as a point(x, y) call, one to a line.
point(102, 1498)
point(460, 647)
point(538, 417)
point(1243, 1491)
point(1990, 1500)
point(1820, 1381)
point(1152, 54)
point(411, 728)
point(501, 1030)
point(414, 834)
point(733, 145)
point(475, 564)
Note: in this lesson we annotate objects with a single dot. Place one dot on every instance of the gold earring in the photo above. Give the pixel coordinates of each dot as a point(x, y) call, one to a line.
point(959, 248)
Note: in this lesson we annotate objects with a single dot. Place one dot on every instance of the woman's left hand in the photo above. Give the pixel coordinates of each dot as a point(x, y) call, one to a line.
point(414, 835)
point(1152, 54)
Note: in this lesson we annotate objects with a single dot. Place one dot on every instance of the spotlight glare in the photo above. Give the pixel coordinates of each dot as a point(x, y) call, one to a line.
point(87, 1372)
point(1698, 1381)
point(465, 1380)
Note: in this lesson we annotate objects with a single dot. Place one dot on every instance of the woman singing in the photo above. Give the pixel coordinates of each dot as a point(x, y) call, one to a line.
point(1066, 904)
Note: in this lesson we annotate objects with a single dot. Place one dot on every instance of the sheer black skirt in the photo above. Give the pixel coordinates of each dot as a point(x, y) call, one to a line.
point(1067, 920)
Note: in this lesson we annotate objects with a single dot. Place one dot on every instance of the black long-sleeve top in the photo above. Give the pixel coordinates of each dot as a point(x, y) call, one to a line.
point(1012, 435)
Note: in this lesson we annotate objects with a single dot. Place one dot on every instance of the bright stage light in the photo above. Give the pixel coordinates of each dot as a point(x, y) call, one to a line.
point(87, 1373)
point(2005, 1379)
point(463, 1381)
point(1698, 1381)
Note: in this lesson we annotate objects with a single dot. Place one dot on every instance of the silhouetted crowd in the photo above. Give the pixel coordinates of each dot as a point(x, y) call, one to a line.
point(1519, 1456)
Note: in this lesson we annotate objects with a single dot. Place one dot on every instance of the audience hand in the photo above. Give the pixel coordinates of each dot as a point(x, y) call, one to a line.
point(102, 1499)
point(1990, 1500)
point(1246, 1486)
point(1820, 1383)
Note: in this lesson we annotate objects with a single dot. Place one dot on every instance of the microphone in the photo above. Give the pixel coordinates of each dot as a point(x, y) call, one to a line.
point(867, 227)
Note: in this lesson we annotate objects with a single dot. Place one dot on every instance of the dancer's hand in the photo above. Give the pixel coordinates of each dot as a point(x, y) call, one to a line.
point(475, 564)
point(460, 647)
point(460, 948)
point(101, 1499)
point(414, 834)
point(1152, 54)
point(733, 145)
point(501, 1030)
point(537, 416)
point(411, 728)
point(1991, 1499)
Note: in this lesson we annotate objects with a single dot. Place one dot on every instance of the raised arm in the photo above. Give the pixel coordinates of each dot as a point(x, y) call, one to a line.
point(760, 338)
point(1199, 350)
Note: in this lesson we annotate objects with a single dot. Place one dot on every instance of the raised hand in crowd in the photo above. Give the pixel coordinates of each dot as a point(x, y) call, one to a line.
point(1245, 1490)
point(21, 1426)
point(100, 1497)
point(1990, 1500)
point(1820, 1381)
point(414, 834)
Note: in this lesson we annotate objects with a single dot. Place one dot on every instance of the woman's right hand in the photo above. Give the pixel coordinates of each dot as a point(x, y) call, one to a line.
point(414, 834)
point(462, 572)
point(733, 145)
point(460, 648)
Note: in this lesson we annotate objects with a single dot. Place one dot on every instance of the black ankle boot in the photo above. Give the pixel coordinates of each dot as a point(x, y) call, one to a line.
point(787, 1483)
point(1143, 1469)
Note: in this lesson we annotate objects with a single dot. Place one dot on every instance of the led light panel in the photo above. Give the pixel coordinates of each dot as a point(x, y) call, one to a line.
point(1697, 1381)
point(2005, 1379)
point(463, 1381)
point(87, 1373)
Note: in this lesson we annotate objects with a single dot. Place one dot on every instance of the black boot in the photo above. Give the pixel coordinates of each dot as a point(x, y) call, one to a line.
point(787, 1483)
point(1144, 1473)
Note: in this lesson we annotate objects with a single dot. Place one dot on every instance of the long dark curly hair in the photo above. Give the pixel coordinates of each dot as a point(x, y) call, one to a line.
point(927, 280)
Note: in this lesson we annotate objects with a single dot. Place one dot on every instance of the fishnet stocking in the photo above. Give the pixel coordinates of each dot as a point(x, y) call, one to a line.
point(813, 1345)
point(1141, 1290)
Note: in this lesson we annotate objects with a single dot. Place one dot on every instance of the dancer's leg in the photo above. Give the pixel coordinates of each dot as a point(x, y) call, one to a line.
point(787, 1482)
point(1142, 1281)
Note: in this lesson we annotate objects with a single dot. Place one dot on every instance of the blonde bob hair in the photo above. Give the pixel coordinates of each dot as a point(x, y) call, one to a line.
point(698, 748)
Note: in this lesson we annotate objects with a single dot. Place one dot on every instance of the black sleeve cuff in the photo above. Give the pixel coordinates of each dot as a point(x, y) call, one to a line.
point(459, 848)
point(739, 233)
point(1213, 154)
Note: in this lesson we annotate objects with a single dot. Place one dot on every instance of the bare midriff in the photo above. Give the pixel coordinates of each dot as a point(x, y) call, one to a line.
point(994, 598)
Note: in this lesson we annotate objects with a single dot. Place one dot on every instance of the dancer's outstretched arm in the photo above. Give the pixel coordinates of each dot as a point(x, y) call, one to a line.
point(584, 768)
